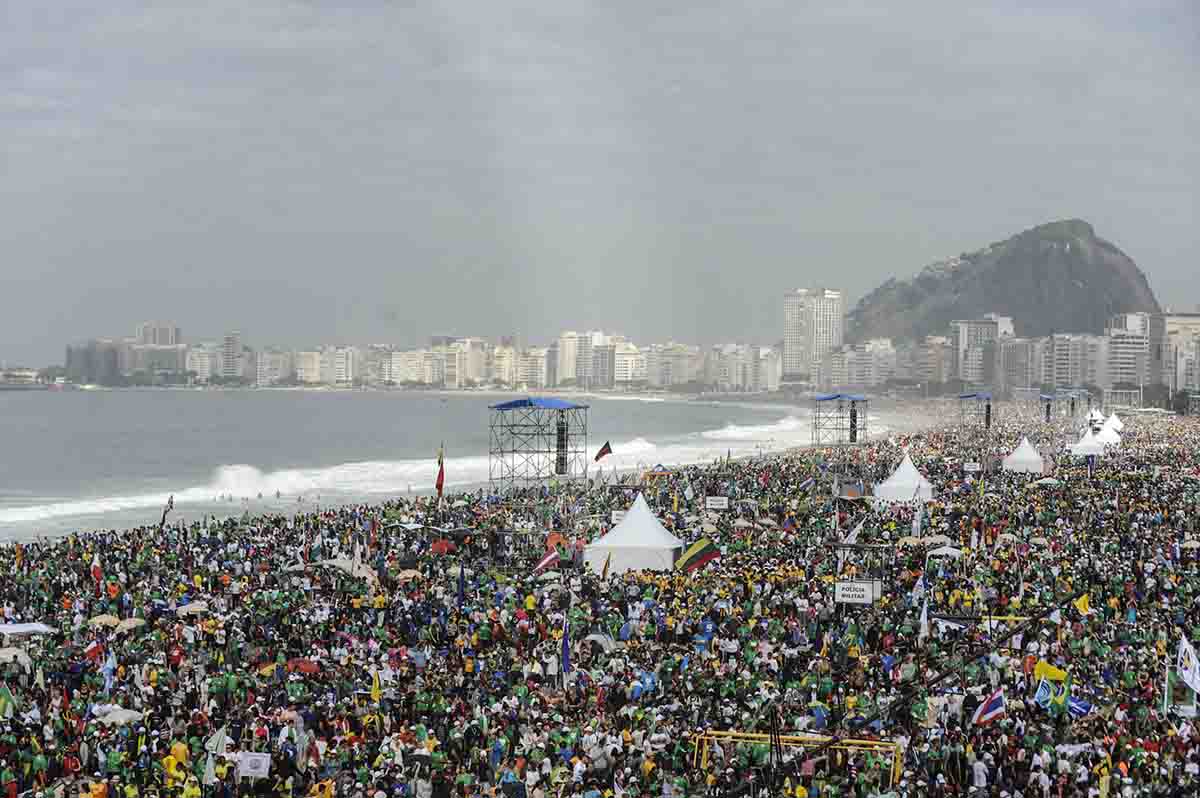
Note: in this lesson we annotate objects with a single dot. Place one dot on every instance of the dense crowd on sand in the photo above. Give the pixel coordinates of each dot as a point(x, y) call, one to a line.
point(408, 649)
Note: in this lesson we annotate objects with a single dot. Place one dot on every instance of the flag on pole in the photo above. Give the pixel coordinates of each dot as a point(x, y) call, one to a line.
point(8, 702)
point(916, 526)
point(607, 562)
point(566, 645)
point(993, 707)
point(462, 585)
point(376, 690)
point(1082, 604)
point(924, 632)
point(97, 574)
point(1187, 665)
point(441, 477)
point(605, 450)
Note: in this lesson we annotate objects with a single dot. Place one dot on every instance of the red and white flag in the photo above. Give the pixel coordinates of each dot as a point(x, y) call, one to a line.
point(551, 558)
point(97, 574)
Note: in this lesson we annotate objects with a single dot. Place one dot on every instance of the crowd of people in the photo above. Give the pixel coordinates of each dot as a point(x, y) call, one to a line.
point(1022, 642)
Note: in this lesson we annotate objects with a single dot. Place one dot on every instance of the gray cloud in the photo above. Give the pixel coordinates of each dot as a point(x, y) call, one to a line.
point(383, 172)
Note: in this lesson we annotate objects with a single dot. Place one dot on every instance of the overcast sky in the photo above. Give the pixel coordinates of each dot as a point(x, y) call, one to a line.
point(362, 172)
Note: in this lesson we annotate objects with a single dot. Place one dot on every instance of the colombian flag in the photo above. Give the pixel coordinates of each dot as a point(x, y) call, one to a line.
point(441, 477)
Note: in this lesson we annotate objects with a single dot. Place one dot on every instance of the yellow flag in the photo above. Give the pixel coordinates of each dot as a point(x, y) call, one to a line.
point(607, 562)
point(1082, 605)
point(1044, 670)
point(376, 693)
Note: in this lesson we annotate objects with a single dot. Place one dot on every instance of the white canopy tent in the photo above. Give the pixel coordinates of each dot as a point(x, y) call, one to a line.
point(906, 484)
point(1024, 459)
point(1088, 445)
point(1115, 422)
point(1108, 436)
point(1095, 417)
point(638, 542)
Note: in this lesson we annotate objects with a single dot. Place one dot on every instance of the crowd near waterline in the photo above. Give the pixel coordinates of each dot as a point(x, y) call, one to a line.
point(1027, 632)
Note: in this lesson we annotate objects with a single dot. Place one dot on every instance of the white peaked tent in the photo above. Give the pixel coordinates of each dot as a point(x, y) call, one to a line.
point(1088, 445)
point(906, 484)
point(638, 542)
point(1115, 423)
point(1108, 436)
point(1095, 417)
point(1024, 459)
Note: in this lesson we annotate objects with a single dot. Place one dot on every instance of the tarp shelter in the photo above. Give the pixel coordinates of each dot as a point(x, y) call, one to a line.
point(638, 542)
point(906, 484)
point(1024, 459)
point(26, 629)
point(1088, 445)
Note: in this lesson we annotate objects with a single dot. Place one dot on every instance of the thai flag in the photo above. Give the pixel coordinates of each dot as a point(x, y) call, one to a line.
point(993, 707)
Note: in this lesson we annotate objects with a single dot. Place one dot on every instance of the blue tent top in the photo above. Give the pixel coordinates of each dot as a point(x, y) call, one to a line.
point(979, 395)
point(853, 397)
point(539, 402)
point(1046, 397)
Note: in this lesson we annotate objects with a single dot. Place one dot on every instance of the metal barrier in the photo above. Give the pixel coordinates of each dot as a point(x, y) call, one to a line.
point(702, 741)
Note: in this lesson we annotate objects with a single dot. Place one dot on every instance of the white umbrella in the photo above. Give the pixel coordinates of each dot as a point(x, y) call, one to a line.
point(120, 717)
point(742, 523)
point(936, 540)
point(604, 641)
point(130, 623)
point(1191, 544)
point(195, 608)
point(710, 529)
point(459, 503)
point(1049, 482)
point(946, 551)
point(104, 620)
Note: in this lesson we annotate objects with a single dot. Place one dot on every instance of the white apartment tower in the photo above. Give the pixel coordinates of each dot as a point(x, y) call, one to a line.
point(812, 327)
point(231, 355)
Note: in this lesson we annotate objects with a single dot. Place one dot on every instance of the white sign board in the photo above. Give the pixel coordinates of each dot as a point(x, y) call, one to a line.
point(253, 766)
point(618, 516)
point(972, 467)
point(716, 502)
point(854, 592)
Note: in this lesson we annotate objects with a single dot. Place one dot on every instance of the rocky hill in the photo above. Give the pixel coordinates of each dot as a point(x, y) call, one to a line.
point(1058, 277)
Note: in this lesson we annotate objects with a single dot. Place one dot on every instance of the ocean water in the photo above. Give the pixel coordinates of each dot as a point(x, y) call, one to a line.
point(108, 459)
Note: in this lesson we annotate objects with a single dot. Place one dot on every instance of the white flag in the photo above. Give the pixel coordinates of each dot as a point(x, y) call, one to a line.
point(917, 523)
point(924, 633)
point(1187, 665)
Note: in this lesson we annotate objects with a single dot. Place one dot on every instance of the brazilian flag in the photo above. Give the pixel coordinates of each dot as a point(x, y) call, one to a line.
point(697, 555)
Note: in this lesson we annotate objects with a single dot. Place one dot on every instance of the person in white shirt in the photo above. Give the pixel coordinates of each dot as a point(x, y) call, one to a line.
point(980, 774)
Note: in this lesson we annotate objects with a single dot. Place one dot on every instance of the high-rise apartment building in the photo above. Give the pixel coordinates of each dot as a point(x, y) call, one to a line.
point(629, 365)
point(974, 347)
point(813, 321)
point(1128, 343)
point(203, 360)
point(504, 364)
point(532, 368)
point(308, 365)
point(1173, 337)
point(158, 333)
point(566, 372)
point(231, 355)
point(273, 366)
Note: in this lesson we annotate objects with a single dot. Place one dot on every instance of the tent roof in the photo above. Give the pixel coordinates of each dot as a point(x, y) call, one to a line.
point(1024, 458)
point(905, 484)
point(542, 403)
point(829, 397)
point(639, 529)
point(1088, 444)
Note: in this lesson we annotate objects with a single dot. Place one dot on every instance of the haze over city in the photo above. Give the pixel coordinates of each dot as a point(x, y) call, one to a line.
point(383, 173)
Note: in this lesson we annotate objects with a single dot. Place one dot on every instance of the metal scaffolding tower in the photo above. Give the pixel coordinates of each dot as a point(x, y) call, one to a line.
point(536, 441)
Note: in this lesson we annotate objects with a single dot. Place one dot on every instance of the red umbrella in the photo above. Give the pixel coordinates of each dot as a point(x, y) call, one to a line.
point(442, 546)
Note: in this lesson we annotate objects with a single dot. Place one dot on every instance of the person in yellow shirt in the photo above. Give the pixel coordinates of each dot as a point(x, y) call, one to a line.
point(179, 750)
